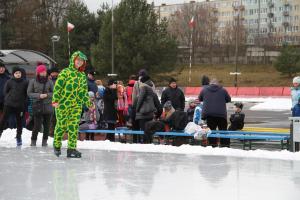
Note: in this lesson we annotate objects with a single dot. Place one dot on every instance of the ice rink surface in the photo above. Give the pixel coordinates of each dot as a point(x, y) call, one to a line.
point(36, 174)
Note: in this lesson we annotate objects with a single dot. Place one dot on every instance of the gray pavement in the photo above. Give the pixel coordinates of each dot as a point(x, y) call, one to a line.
point(267, 119)
point(35, 174)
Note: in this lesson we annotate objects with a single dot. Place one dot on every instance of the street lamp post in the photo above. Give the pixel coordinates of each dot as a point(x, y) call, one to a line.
point(54, 38)
point(238, 8)
point(112, 42)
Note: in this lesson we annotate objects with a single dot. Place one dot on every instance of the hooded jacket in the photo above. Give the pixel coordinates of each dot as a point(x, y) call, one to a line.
point(214, 99)
point(15, 92)
point(71, 87)
point(147, 97)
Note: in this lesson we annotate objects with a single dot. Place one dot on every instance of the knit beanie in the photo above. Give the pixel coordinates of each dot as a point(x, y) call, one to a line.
point(91, 94)
point(2, 64)
point(296, 79)
point(172, 80)
point(143, 72)
point(40, 69)
point(168, 105)
point(16, 69)
point(111, 82)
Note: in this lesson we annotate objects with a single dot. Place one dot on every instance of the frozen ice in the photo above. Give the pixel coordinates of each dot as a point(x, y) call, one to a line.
point(35, 174)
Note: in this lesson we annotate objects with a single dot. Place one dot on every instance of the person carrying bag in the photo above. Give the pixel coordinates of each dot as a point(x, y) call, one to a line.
point(40, 90)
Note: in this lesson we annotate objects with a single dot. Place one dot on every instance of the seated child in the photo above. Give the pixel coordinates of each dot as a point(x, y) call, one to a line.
point(237, 118)
point(198, 114)
point(191, 110)
point(90, 117)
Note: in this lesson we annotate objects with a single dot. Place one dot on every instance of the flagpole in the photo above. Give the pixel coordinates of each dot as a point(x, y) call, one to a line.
point(69, 43)
point(191, 52)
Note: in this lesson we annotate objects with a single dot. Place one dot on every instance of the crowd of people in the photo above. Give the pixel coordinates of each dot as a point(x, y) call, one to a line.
point(60, 102)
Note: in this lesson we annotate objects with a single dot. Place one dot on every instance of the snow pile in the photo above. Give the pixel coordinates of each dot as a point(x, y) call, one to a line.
point(274, 104)
point(267, 104)
point(8, 140)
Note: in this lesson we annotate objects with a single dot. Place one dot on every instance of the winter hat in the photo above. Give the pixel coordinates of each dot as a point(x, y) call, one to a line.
point(172, 80)
point(2, 64)
point(205, 80)
point(145, 78)
point(40, 69)
point(168, 105)
point(91, 94)
point(111, 82)
point(54, 69)
point(296, 79)
point(191, 101)
point(143, 72)
point(92, 72)
point(16, 69)
point(239, 105)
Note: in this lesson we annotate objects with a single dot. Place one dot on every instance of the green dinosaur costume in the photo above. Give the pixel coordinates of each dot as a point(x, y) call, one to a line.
point(71, 93)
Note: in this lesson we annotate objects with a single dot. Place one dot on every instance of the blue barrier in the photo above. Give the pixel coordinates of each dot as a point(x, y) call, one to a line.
point(238, 135)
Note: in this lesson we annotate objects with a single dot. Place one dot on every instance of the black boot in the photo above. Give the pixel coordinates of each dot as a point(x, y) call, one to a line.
point(57, 151)
point(73, 153)
point(44, 143)
point(33, 143)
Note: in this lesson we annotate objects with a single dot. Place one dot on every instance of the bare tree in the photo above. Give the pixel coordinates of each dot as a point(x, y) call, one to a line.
point(205, 29)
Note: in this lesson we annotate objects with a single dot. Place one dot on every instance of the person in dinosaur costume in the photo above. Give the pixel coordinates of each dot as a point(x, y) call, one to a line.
point(69, 96)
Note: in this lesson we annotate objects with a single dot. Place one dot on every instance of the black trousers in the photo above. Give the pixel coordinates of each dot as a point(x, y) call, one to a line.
point(38, 121)
point(221, 123)
point(110, 136)
point(142, 125)
point(18, 113)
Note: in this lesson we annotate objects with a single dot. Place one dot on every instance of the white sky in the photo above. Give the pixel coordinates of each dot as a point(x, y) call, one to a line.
point(93, 5)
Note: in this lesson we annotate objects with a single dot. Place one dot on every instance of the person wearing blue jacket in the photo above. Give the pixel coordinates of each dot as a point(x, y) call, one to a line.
point(214, 98)
point(296, 109)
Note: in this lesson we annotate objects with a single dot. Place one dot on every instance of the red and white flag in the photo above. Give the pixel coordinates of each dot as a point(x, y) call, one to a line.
point(192, 23)
point(70, 27)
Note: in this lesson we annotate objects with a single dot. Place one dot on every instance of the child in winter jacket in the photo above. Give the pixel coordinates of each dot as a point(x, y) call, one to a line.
point(90, 117)
point(237, 118)
point(15, 92)
point(122, 105)
point(296, 109)
point(191, 110)
point(197, 119)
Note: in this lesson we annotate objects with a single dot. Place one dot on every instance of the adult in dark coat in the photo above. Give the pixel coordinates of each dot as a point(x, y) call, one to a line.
point(4, 77)
point(110, 115)
point(147, 105)
point(15, 92)
point(173, 94)
point(40, 90)
point(92, 86)
point(214, 110)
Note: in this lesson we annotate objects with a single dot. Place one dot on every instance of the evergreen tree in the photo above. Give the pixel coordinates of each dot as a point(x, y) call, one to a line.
point(139, 41)
point(288, 63)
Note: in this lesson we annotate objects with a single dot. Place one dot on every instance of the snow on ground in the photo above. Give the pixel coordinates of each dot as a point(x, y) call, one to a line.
point(263, 103)
point(8, 140)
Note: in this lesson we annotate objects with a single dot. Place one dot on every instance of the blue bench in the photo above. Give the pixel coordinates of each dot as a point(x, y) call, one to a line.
point(252, 136)
point(238, 135)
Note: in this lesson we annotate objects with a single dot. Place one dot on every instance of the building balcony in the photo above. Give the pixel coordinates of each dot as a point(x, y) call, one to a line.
point(286, 13)
point(285, 24)
point(270, 15)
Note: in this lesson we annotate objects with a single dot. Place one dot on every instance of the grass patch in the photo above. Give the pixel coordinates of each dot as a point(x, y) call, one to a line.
point(252, 75)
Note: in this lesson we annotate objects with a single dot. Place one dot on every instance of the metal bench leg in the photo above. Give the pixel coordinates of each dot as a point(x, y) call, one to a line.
point(244, 144)
point(250, 144)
